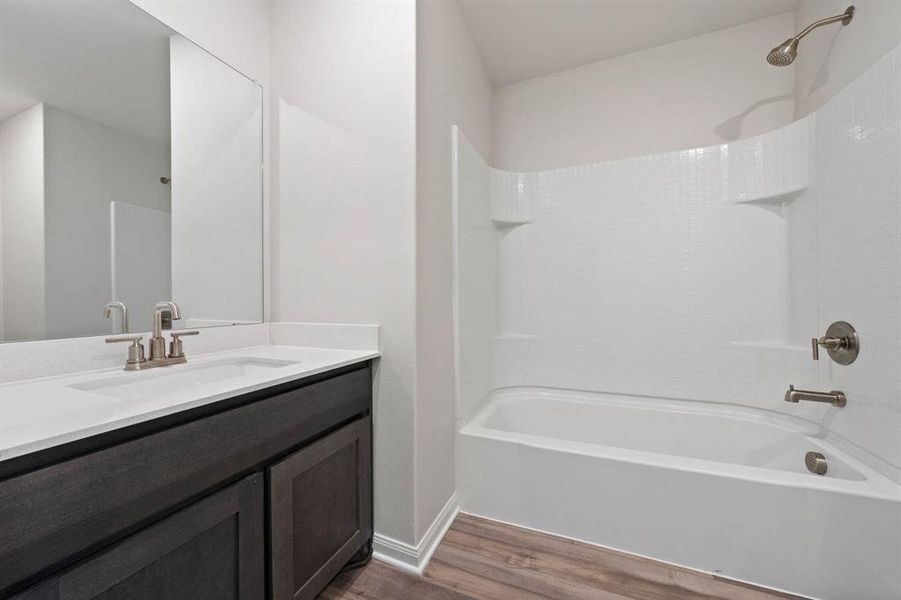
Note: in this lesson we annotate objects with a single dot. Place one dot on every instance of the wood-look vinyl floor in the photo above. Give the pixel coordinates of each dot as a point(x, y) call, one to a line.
point(485, 560)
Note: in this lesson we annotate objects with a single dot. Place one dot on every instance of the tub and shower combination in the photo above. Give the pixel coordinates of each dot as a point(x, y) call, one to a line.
point(625, 332)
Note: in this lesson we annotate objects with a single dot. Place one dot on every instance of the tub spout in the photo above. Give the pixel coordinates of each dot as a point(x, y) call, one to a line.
point(835, 398)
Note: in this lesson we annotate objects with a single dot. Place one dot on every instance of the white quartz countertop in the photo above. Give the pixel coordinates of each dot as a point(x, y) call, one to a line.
point(37, 414)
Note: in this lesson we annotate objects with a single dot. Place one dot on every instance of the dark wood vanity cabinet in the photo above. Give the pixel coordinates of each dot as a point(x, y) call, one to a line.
point(267, 495)
point(321, 515)
point(211, 550)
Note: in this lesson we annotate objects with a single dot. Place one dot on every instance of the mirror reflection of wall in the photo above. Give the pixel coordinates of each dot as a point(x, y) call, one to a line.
point(217, 182)
point(97, 99)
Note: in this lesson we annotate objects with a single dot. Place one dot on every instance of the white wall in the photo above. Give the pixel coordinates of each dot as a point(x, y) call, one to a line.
point(344, 206)
point(87, 166)
point(236, 31)
point(831, 57)
point(22, 225)
point(704, 90)
point(217, 186)
point(452, 89)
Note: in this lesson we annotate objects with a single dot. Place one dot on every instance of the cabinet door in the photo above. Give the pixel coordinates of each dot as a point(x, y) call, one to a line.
point(321, 500)
point(211, 550)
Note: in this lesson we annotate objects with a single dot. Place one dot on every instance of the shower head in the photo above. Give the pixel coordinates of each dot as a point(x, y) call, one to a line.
point(786, 52)
point(783, 54)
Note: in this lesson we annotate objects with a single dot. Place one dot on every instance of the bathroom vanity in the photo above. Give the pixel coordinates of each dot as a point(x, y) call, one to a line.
point(261, 494)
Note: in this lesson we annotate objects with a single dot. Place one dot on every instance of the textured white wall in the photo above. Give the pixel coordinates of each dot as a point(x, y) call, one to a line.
point(22, 226)
point(217, 186)
point(704, 90)
point(344, 207)
point(87, 166)
point(832, 57)
point(657, 275)
point(452, 89)
point(858, 221)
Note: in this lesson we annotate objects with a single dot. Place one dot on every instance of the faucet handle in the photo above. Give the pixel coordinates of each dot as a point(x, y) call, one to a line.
point(176, 350)
point(135, 339)
point(841, 342)
point(177, 334)
point(135, 351)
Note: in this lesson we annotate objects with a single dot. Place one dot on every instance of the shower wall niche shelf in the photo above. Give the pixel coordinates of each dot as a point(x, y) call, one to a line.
point(771, 168)
point(510, 198)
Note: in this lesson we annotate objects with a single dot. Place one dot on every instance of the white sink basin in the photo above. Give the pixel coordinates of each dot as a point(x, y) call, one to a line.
point(160, 381)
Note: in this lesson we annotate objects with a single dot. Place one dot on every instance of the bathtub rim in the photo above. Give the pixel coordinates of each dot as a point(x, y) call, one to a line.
point(875, 484)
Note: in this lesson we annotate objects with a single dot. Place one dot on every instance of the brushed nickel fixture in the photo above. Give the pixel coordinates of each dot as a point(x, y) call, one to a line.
point(841, 343)
point(785, 53)
point(176, 350)
point(158, 342)
point(158, 356)
point(122, 308)
point(135, 351)
point(816, 462)
point(835, 398)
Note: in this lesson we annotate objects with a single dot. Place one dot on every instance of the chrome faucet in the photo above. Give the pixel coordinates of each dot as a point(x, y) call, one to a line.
point(158, 356)
point(120, 306)
point(835, 398)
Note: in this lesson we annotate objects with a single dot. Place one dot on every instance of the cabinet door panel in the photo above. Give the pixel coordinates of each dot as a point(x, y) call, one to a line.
point(211, 550)
point(321, 515)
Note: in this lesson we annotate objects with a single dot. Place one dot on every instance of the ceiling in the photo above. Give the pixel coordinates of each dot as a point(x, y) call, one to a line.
point(522, 39)
point(104, 60)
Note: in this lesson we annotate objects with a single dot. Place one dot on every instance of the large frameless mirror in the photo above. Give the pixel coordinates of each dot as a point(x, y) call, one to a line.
point(130, 173)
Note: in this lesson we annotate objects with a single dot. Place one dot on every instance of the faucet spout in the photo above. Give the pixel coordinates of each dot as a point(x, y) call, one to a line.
point(157, 342)
point(835, 398)
point(120, 306)
point(158, 310)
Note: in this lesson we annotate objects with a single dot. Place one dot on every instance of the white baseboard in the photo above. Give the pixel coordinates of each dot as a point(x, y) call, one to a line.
point(414, 559)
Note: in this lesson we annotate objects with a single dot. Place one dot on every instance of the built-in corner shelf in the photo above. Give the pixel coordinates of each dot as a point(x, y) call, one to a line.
point(773, 168)
point(778, 199)
point(510, 199)
point(506, 224)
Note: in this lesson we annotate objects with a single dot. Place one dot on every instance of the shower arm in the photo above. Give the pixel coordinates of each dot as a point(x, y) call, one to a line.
point(845, 18)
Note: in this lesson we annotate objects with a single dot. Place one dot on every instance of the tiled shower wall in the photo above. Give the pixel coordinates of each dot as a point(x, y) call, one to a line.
point(858, 219)
point(696, 274)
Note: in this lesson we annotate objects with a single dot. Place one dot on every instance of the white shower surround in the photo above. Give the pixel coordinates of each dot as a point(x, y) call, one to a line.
point(698, 275)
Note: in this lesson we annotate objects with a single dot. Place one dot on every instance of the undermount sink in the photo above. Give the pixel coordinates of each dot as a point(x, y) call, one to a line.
point(142, 385)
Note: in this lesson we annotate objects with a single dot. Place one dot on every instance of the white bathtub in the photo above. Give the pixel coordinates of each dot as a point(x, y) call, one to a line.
point(715, 487)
